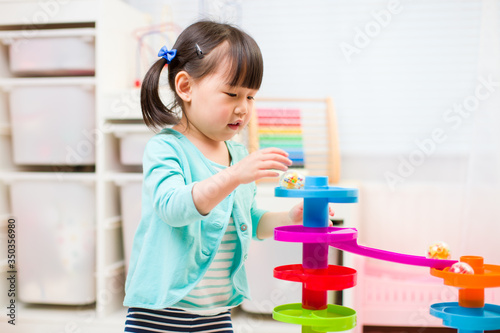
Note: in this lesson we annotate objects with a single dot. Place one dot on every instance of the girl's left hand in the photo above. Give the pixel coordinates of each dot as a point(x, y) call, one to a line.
point(297, 212)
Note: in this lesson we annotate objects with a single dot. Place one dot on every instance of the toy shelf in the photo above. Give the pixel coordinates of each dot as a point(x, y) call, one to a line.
point(93, 30)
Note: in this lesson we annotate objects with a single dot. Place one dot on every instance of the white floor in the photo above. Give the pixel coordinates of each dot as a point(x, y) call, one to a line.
point(41, 319)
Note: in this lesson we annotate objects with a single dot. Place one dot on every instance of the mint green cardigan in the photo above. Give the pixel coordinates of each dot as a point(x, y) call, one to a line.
point(174, 245)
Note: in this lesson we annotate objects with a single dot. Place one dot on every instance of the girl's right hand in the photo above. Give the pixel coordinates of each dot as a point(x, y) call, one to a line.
point(260, 164)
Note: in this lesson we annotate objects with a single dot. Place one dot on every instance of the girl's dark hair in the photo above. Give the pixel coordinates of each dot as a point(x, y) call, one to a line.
point(240, 51)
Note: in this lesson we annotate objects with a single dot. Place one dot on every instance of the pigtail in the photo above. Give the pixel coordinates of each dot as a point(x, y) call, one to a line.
point(154, 112)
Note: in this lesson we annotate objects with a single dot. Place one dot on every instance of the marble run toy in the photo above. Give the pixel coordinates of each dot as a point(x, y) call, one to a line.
point(469, 315)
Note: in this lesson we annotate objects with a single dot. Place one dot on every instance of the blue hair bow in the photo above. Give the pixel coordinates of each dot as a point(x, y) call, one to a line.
point(168, 55)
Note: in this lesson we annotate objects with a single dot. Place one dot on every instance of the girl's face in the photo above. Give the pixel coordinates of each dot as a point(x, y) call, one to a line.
point(218, 111)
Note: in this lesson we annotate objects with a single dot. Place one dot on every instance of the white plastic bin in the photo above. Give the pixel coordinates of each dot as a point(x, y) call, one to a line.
point(132, 147)
point(130, 194)
point(52, 52)
point(53, 124)
point(55, 241)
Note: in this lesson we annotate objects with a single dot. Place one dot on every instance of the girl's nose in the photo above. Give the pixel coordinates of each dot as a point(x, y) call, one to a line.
point(241, 109)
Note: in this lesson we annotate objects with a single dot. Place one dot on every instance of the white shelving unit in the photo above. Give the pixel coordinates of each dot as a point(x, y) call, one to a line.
point(108, 25)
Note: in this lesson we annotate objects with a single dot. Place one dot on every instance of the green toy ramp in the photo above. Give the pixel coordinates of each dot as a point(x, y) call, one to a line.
point(334, 318)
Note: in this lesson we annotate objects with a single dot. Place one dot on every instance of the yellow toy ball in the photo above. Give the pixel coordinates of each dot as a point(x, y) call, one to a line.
point(439, 250)
point(292, 180)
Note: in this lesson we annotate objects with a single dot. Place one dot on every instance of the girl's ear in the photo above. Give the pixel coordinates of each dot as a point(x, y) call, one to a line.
point(183, 85)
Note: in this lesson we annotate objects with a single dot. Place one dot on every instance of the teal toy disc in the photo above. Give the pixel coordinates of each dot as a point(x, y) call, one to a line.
point(462, 318)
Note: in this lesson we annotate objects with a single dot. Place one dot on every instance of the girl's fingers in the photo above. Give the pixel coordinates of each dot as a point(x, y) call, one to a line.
point(284, 160)
point(274, 150)
point(269, 165)
point(276, 157)
point(330, 211)
point(267, 173)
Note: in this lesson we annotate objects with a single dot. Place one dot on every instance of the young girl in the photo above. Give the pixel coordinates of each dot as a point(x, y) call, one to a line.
point(198, 210)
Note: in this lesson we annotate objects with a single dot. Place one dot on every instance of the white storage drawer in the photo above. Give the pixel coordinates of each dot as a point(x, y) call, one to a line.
point(53, 124)
point(52, 52)
point(130, 194)
point(132, 144)
point(56, 241)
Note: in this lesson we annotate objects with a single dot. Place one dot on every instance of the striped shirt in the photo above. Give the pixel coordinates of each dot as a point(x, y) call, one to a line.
point(215, 293)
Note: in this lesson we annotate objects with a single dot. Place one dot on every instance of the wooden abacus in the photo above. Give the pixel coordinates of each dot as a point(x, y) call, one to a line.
point(318, 129)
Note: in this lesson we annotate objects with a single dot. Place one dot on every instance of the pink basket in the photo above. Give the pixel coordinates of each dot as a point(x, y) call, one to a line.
point(389, 295)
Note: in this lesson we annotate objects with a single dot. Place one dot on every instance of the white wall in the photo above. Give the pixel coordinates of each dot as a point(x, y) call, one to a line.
point(396, 70)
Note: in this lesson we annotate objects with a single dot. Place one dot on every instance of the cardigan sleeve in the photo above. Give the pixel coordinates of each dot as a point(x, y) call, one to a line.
point(166, 185)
